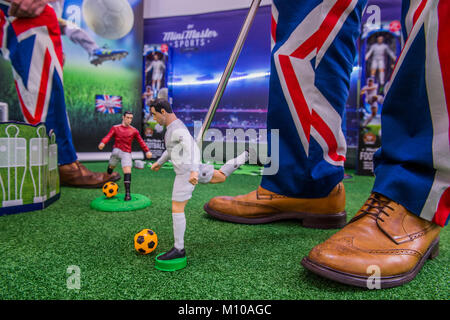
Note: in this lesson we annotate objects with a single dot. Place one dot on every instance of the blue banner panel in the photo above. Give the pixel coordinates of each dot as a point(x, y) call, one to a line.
point(201, 46)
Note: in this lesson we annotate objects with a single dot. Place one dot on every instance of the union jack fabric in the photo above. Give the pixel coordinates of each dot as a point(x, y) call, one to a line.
point(33, 46)
point(413, 164)
point(313, 49)
point(108, 104)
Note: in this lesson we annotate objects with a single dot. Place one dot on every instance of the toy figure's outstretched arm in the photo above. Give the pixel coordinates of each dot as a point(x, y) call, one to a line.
point(108, 137)
point(163, 159)
point(141, 142)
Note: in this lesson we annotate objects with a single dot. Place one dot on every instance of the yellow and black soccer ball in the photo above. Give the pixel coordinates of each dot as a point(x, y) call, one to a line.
point(110, 189)
point(145, 241)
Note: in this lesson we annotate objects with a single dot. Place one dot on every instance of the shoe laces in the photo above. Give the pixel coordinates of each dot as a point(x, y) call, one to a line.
point(375, 207)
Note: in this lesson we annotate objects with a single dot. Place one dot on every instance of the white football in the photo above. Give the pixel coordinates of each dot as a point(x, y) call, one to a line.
point(110, 19)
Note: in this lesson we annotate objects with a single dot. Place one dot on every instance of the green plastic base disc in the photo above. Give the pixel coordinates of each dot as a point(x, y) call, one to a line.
point(117, 203)
point(170, 265)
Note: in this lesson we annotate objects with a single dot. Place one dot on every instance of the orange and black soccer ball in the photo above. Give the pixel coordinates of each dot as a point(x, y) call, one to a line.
point(110, 189)
point(145, 241)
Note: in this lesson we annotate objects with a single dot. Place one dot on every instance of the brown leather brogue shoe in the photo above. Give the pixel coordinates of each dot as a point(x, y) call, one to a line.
point(382, 236)
point(77, 175)
point(263, 206)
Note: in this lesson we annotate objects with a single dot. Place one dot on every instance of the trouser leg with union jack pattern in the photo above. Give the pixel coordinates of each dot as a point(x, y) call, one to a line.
point(412, 167)
point(314, 47)
point(34, 48)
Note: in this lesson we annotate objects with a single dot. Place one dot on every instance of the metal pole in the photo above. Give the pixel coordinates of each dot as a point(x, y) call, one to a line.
point(228, 70)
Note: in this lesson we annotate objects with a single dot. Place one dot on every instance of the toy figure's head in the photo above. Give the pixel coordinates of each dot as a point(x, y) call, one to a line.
point(370, 81)
point(160, 110)
point(380, 39)
point(127, 118)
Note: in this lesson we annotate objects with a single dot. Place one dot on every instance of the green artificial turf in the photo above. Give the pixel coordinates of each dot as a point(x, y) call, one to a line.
point(225, 260)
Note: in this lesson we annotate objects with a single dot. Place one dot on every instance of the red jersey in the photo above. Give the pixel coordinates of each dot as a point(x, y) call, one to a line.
point(123, 138)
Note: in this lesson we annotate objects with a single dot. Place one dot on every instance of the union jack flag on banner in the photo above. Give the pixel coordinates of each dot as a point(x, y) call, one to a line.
point(108, 104)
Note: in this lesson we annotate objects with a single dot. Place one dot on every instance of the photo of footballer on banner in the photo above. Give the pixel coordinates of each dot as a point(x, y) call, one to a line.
point(155, 85)
point(380, 47)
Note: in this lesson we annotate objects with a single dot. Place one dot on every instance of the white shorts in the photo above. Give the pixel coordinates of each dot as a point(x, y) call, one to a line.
point(377, 64)
point(124, 157)
point(182, 188)
point(157, 76)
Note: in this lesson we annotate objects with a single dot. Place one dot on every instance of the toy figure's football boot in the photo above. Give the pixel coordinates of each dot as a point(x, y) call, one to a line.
point(173, 253)
point(384, 243)
point(101, 55)
point(264, 206)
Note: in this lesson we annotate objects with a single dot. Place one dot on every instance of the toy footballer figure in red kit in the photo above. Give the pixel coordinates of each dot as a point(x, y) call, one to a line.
point(124, 134)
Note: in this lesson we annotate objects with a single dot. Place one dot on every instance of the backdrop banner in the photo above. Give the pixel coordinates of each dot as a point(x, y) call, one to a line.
point(102, 44)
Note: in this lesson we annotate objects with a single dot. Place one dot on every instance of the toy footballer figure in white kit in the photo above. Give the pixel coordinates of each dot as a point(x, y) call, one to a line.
point(184, 153)
point(378, 52)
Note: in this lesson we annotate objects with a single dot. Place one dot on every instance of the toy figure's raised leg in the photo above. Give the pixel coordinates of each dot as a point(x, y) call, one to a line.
point(232, 165)
point(207, 174)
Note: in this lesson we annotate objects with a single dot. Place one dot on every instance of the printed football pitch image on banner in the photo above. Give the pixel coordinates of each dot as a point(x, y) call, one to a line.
point(102, 44)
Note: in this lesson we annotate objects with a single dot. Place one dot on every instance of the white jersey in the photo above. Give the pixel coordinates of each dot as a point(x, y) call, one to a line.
point(180, 148)
point(379, 51)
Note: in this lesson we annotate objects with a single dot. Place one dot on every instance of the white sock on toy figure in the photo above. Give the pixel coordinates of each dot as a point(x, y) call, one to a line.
point(179, 227)
point(184, 153)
